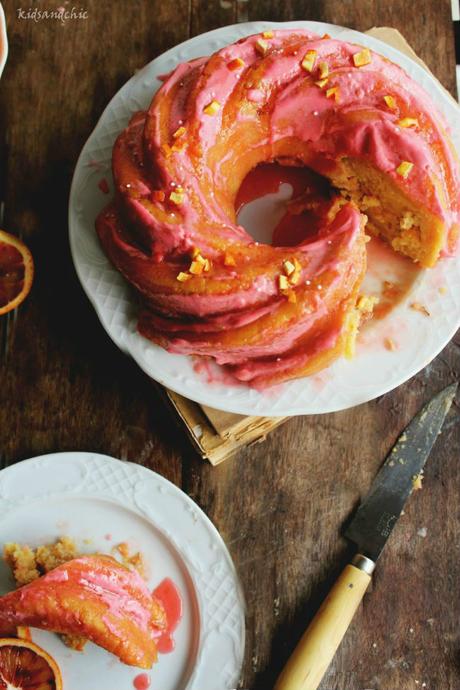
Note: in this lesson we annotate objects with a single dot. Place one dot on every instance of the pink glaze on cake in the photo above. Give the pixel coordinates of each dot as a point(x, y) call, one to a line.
point(177, 170)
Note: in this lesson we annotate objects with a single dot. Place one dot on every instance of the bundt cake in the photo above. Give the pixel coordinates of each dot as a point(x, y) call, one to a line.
point(271, 313)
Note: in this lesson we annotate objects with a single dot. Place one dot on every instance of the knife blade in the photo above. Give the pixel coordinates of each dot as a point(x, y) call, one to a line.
point(369, 530)
point(379, 512)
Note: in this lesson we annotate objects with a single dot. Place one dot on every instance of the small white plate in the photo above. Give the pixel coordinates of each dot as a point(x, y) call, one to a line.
point(3, 40)
point(101, 502)
point(374, 371)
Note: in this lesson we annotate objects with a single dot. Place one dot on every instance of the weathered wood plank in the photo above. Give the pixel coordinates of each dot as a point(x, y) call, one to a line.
point(280, 505)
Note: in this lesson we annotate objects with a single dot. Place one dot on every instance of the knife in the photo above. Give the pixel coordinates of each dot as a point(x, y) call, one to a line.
point(369, 531)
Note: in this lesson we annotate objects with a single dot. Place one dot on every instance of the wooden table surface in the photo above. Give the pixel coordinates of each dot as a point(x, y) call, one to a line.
point(279, 505)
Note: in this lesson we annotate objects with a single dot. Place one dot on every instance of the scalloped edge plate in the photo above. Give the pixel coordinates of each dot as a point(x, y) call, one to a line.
point(3, 40)
point(100, 501)
point(373, 372)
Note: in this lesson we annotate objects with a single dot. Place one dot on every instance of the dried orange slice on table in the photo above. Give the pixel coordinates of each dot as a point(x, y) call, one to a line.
point(25, 666)
point(16, 272)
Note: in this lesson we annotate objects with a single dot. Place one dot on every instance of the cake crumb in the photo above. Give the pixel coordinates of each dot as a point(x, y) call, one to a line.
point(422, 532)
point(133, 561)
point(21, 560)
point(417, 480)
point(442, 290)
point(407, 221)
point(29, 564)
point(416, 306)
point(390, 344)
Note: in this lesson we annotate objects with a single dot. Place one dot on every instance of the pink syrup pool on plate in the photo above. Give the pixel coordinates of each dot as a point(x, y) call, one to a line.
point(142, 681)
point(168, 595)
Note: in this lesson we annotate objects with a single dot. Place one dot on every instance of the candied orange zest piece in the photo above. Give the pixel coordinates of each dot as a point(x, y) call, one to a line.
point(288, 267)
point(333, 92)
point(261, 46)
point(179, 146)
point(177, 197)
point(308, 62)
point(183, 277)
point(235, 64)
point(362, 58)
point(283, 283)
point(196, 268)
point(408, 122)
point(390, 101)
point(199, 264)
point(404, 168)
point(294, 276)
point(179, 133)
point(212, 108)
point(323, 70)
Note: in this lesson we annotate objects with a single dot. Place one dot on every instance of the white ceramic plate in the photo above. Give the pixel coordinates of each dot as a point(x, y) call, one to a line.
point(100, 502)
point(3, 40)
point(374, 371)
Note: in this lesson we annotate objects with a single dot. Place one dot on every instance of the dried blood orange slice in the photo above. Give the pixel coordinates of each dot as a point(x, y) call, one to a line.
point(24, 666)
point(16, 272)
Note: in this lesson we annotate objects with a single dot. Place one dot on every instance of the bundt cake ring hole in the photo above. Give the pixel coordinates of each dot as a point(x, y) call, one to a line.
point(390, 214)
point(406, 225)
point(276, 203)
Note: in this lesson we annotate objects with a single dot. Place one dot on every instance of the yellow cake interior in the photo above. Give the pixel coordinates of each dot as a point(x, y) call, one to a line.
point(405, 224)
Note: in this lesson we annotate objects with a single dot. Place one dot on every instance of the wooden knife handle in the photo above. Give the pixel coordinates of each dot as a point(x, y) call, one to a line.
point(315, 651)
